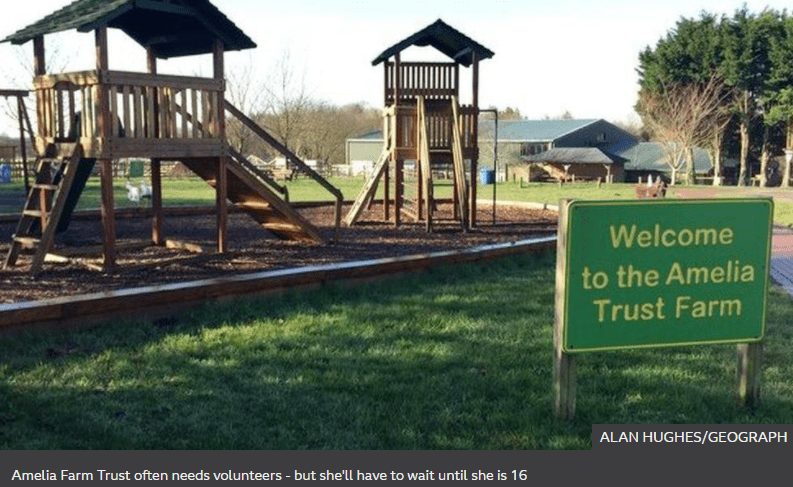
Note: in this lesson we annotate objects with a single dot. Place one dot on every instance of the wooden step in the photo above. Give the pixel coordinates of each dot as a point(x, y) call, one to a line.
point(27, 242)
point(35, 213)
point(259, 201)
point(254, 205)
point(281, 227)
point(45, 187)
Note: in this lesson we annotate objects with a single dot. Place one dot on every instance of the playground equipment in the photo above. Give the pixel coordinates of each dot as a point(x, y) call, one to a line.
point(93, 117)
point(423, 122)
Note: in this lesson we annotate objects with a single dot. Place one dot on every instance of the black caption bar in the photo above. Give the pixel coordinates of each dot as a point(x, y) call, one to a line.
point(621, 466)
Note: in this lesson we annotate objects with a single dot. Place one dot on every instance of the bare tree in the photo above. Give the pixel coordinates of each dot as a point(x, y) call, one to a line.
point(20, 74)
point(327, 127)
point(248, 96)
point(286, 102)
point(684, 116)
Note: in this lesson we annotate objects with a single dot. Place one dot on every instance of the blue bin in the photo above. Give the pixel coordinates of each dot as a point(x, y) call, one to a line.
point(5, 173)
point(487, 176)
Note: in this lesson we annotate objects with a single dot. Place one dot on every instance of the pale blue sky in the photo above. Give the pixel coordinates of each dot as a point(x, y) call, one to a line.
point(550, 56)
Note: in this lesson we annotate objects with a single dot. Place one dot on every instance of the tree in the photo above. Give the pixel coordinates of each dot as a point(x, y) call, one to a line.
point(684, 116)
point(20, 74)
point(746, 66)
point(286, 101)
point(779, 87)
point(248, 96)
point(689, 56)
point(327, 128)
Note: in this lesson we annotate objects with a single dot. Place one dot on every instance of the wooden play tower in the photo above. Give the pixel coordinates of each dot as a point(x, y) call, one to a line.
point(425, 125)
point(90, 118)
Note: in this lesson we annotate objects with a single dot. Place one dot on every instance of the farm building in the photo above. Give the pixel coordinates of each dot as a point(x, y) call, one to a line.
point(519, 138)
point(362, 152)
point(577, 162)
point(527, 146)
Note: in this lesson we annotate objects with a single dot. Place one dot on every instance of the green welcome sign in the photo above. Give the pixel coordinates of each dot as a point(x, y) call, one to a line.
point(655, 273)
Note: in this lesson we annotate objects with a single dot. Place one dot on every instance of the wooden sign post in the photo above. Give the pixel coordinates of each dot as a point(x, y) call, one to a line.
point(645, 274)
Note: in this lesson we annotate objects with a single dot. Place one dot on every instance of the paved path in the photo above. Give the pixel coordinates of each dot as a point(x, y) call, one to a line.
point(782, 258)
point(782, 240)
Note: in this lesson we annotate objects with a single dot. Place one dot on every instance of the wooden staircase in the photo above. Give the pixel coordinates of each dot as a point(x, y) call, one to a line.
point(251, 194)
point(45, 206)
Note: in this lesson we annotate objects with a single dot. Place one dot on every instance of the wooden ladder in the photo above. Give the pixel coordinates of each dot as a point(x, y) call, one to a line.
point(367, 192)
point(45, 203)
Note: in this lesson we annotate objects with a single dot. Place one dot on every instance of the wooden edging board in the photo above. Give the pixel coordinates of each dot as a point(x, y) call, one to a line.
point(158, 301)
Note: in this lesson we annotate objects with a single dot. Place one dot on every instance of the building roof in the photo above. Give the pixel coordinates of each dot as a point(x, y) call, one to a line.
point(445, 39)
point(534, 130)
point(172, 29)
point(516, 130)
point(576, 155)
point(374, 136)
point(651, 156)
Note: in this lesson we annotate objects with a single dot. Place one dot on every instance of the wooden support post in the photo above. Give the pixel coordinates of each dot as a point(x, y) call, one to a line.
point(399, 190)
point(218, 68)
point(563, 383)
point(39, 60)
point(419, 187)
point(156, 202)
point(398, 160)
point(564, 364)
point(156, 166)
point(750, 358)
point(387, 188)
point(39, 69)
point(108, 216)
point(220, 202)
point(104, 124)
point(221, 185)
point(475, 136)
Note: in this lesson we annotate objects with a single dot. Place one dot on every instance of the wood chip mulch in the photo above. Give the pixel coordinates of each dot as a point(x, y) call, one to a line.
point(251, 248)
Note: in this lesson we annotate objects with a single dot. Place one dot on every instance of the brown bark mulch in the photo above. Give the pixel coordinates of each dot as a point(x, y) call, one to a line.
point(251, 249)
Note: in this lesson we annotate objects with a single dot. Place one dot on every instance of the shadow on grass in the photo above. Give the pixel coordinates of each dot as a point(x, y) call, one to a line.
point(459, 358)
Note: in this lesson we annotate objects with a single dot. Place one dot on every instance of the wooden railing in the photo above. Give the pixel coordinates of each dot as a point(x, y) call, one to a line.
point(276, 144)
point(143, 107)
point(439, 122)
point(433, 81)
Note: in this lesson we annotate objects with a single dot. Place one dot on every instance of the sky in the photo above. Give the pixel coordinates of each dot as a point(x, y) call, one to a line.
point(551, 57)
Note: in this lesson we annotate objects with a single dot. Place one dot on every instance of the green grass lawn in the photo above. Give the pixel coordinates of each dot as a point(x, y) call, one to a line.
point(192, 192)
point(551, 193)
point(457, 358)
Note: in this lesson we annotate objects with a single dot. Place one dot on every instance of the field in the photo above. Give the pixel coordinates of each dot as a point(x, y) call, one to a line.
point(457, 359)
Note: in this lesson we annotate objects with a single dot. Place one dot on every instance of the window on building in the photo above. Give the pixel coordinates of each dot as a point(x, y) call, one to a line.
point(530, 149)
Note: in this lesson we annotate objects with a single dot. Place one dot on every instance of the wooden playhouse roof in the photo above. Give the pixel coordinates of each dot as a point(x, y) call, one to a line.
point(444, 38)
point(172, 28)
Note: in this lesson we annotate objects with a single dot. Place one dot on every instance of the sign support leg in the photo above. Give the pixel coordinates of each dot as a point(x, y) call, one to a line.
point(564, 385)
point(750, 358)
